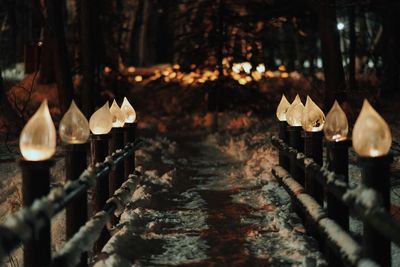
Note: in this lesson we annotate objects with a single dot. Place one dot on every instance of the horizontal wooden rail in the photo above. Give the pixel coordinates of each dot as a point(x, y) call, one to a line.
point(23, 225)
point(338, 239)
point(355, 198)
point(87, 235)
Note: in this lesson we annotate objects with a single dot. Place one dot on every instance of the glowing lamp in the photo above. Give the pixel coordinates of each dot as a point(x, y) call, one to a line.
point(129, 111)
point(38, 138)
point(260, 68)
point(295, 112)
point(371, 134)
point(74, 127)
point(336, 126)
point(118, 117)
point(282, 109)
point(313, 118)
point(101, 121)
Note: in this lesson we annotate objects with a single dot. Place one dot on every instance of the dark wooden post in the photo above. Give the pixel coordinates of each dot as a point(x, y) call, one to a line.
point(76, 211)
point(129, 136)
point(36, 184)
point(338, 162)
point(284, 136)
point(117, 175)
point(296, 142)
point(375, 173)
point(313, 149)
point(337, 154)
point(99, 151)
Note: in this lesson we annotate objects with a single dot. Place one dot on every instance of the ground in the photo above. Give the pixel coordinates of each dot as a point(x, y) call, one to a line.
point(205, 203)
point(202, 192)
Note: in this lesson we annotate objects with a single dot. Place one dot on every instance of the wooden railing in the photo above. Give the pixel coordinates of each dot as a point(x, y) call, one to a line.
point(323, 198)
point(32, 223)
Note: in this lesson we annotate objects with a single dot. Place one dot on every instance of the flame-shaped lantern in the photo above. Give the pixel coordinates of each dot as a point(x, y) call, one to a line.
point(282, 109)
point(371, 134)
point(129, 111)
point(101, 121)
point(38, 138)
point(295, 112)
point(118, 117)
point(336, 126)
point(74, 127)
point(313, 118)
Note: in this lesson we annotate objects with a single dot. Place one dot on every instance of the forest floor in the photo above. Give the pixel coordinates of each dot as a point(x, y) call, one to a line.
point(203, 192)
point(207, 202)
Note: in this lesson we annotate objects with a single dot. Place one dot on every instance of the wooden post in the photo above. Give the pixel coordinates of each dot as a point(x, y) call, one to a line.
point(296, 142)
point(337, 155)
point(99, 151)
point(375, 173)
point(313, 149)
point(129, 136)
point(284, 136)
point(116, 177)
point(76, 211)
point(36, 184)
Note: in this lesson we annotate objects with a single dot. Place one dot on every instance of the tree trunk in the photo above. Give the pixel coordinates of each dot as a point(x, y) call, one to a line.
point(87, 57)
point(330, 50)
point(391, 54)
point(352, 48)
point(60, 54)
point(143, 34)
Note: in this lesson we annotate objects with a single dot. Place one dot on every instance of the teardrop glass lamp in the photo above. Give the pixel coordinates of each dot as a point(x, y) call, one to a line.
point(371, 133)
point(118, 118)
point(38, 138)
point(74, 127)
point(313, 118)
point(336, 125)
point(129, 111)
point(295, 112)
point(282, 109)
point(101, 121)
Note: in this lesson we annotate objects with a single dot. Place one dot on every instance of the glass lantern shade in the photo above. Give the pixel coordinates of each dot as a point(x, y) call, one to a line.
point(101, 121)
point(38, 138)
point(74, 127)
point(313, 118)
point(336, 125)
point(129, 111)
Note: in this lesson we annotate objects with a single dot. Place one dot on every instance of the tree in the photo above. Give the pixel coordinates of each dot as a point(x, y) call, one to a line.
point(330, 50)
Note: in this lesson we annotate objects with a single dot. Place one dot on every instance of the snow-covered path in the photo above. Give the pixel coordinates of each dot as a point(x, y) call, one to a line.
point(199, 206)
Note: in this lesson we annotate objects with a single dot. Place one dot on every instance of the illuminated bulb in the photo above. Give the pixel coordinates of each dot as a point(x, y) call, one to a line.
point(118, 117)
point(371, 134)
point(236, 67)
point(38, 138)
point(261, 68)
point(313, 118)
point(128, 110)
point(138, 78)
point(131, 69)
point(101, 121)
point(336, 126)
point(246, 67)
point(295, 112)
point(74, 127)
point(282, 109)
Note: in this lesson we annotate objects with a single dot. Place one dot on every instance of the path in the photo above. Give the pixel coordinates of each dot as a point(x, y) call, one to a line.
point(205, 210)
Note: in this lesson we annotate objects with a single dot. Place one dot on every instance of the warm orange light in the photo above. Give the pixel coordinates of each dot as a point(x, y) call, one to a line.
point(74, 127)
point(107, 69)
point(101, 121)
point(131, 69)
point(282, 109)
point(138, 78)
point(128, 110)
point(284, 75)
point(118, 117)
point(295, 112)
point(336, 126)
point(313, 118)
point(282, 68)
point(371, 134)
point(38, 138)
